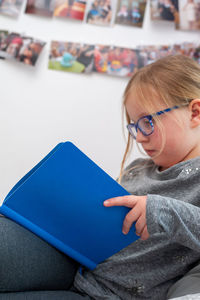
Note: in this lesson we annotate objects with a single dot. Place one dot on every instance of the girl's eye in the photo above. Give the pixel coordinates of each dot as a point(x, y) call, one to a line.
point(147, 124)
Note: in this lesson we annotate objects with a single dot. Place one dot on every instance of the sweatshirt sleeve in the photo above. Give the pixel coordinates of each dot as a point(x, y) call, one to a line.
point(178, 219)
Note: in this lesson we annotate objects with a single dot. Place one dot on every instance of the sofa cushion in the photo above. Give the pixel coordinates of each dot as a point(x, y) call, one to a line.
point(189, 284)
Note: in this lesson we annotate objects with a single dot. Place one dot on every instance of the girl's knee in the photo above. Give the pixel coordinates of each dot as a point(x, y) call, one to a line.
point(27, 262)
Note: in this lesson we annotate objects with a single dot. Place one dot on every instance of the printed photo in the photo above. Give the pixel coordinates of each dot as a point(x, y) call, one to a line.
point(30, 51)
point(116, 61)
point(166, 10)
point(189, 15)
point(10, 8)
point(6, 41)
point(152, 53)
point(71, 57)
point(99, 12)
point(131, 12)
point(23, 49)
point(196, 54)
point(3, 36)
point(40, 7)
point(188, 49)
point(74, 9)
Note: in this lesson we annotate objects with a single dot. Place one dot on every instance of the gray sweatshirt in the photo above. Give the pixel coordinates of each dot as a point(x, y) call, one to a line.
point(147, 269)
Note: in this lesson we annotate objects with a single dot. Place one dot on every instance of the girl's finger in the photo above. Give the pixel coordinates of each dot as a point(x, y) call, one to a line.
point(140, 224)
point(130, 218)
point(128, 201)
point(144, 235)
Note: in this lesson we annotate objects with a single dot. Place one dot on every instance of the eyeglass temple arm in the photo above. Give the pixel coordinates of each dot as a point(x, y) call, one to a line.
point(169, 109)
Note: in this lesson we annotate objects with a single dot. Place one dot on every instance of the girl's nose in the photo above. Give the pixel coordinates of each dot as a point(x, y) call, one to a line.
point(140, 138)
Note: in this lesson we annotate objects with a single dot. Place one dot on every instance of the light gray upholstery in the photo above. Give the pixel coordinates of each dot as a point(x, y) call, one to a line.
point(187, 285)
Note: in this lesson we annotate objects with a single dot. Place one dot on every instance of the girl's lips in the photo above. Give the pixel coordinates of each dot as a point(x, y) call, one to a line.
point(150, 152)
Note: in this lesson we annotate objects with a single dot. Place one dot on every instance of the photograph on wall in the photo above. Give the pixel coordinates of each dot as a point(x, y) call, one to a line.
point(189, 15)
point(23, 49)
point(40, 7)
point(74, 9)
point(71, 57)
point(10, 8)
point(14, 40)
point(30, 50)
point(166, 10)
point(99, 12)
point(196, 54)
point(3, 36)
point(187, 48)
point(151, 53)
point(116, 61)
point(130, 12)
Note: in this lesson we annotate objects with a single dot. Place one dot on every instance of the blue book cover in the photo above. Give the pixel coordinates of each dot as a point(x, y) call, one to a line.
point(61, 200)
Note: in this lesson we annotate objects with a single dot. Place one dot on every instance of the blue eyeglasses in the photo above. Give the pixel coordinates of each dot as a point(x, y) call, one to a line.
point(145, 123)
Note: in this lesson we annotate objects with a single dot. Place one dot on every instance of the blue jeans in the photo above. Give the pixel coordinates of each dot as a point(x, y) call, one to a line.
point(31, 269)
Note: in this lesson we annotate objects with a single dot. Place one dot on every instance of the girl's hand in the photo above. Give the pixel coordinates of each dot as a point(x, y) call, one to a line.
point(136, 214)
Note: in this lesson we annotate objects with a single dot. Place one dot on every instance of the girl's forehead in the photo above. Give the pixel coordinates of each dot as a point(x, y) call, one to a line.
point(143, 104)
point(135, 109)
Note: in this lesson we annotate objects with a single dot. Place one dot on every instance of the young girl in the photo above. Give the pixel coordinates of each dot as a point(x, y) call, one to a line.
point(162, 107)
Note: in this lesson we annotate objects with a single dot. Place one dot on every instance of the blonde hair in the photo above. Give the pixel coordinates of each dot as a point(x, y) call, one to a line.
point(174, 79)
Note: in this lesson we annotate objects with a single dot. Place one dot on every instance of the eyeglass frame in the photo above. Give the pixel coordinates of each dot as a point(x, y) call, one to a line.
point(150, 118)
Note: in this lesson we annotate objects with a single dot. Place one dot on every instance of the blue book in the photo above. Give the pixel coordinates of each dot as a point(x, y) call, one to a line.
point(61, 201)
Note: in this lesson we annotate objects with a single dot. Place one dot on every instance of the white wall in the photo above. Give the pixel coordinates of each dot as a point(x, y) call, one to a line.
point(39, 107)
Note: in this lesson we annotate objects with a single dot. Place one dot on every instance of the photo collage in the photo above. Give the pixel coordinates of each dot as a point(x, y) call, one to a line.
point(75, 57)
point(85, 58)
point(112, 60)
point(96, 12)
point(184, 13)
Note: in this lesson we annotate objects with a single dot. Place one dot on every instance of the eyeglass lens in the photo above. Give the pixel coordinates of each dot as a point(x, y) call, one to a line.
point(145, 125)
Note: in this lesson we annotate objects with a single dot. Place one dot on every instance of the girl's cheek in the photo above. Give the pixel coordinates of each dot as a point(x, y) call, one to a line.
point(157, 137)
point(157, 133)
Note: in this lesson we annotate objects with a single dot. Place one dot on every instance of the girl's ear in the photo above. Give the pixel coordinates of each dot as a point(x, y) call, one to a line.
point(194, 108)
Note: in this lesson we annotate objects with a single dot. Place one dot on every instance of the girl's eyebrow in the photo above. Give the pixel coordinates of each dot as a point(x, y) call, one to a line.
point(140, 115)
point(143, 114)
